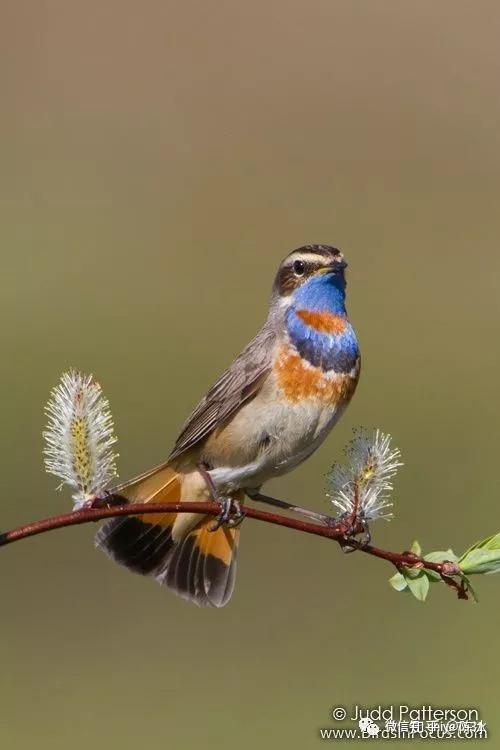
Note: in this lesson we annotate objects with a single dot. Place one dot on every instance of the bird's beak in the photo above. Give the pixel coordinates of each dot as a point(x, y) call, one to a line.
point(335, 267)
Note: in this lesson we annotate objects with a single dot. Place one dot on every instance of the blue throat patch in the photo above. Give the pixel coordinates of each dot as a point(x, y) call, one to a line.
point(329, 351)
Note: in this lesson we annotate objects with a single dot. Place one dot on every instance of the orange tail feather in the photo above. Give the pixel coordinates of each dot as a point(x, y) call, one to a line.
point(192, 561)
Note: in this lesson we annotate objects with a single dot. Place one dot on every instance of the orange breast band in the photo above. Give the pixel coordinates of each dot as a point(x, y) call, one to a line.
point(324, 322)
point(298, 380)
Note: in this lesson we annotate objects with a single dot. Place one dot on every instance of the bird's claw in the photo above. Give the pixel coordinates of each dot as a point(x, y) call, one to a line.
point(230, 515)
point(104, 499)
point(237, 514)
point(355, 528)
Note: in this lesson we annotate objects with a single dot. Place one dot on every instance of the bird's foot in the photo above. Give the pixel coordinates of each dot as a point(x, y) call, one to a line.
point(355, 528)
point(104, 499)
point(237, 514)
point(230, 515)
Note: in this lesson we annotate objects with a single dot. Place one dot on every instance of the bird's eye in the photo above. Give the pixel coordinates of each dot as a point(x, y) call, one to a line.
point(299, 267)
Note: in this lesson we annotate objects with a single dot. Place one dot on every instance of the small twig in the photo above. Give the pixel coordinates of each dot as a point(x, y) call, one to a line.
point(336, 530)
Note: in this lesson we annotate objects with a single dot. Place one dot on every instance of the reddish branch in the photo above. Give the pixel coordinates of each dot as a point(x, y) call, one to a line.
point(340, 531)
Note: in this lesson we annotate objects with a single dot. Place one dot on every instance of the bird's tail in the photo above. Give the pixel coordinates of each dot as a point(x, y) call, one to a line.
point(178, 549)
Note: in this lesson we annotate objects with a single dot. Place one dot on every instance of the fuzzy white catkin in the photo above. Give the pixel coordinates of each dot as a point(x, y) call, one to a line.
point(79, 436)
point(372, 463)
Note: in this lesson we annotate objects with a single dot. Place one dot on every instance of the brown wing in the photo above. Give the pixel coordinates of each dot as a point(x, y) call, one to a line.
point(235, 386)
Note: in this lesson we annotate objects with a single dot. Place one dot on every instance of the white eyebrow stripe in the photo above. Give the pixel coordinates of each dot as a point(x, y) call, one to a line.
point(310, 258)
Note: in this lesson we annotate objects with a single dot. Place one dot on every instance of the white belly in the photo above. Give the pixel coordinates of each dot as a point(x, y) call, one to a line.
point(273, 437)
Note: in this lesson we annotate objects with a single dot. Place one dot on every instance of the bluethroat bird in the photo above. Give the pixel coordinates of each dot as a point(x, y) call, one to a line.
point(265, 415)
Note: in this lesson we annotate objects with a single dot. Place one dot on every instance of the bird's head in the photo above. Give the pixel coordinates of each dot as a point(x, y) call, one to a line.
point(312, 277)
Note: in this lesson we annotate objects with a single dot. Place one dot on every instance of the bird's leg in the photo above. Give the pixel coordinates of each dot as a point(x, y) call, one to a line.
point(354, 529)
point(260, 498)
point(104, 499)
point(230, 513)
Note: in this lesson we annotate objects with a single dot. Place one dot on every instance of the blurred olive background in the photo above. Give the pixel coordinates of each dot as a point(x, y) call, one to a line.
point(158, 160)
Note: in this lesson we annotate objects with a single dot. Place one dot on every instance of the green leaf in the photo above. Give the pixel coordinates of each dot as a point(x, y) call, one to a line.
point(419, 586)
point(398, 582)
point(433, 576)
point(437, 557)
point(491, 542)
point(440, 556)
point(483, 557)
point(412, 572)
point(479, 561)
point(416, 548)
